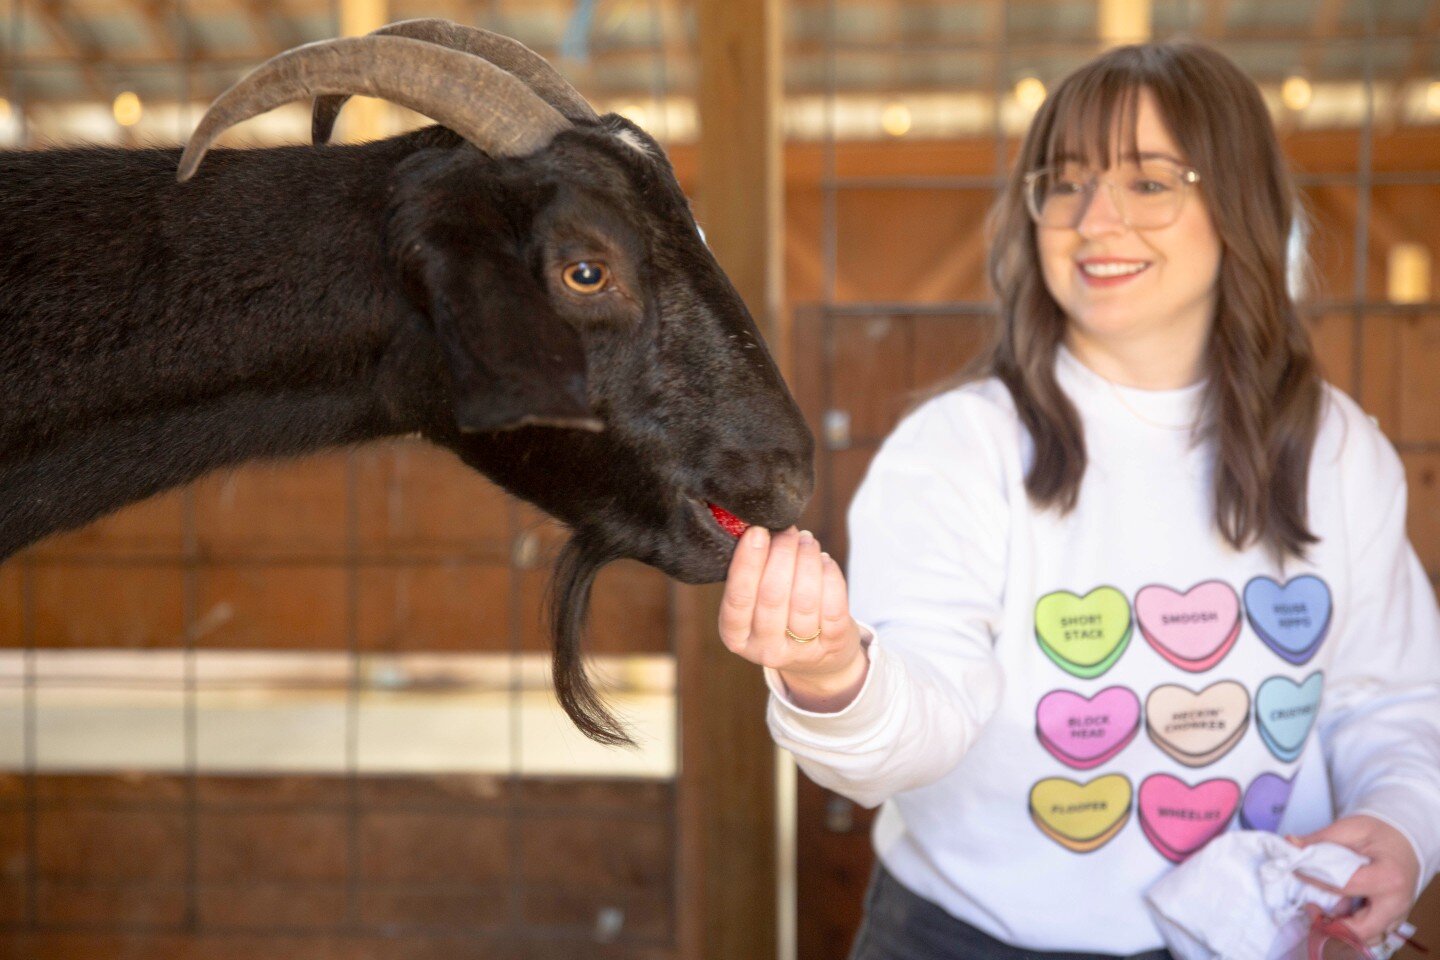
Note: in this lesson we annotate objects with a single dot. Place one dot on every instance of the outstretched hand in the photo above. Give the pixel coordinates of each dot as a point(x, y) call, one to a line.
point(1385, 886)
point(786, 582)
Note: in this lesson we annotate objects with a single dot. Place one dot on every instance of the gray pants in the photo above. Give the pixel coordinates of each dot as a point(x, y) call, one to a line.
point(901, 925)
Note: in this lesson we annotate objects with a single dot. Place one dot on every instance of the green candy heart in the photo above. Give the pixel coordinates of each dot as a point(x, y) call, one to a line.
point(1083, 635)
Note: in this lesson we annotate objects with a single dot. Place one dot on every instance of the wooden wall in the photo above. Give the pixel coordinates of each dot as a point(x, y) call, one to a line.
point(312, 555)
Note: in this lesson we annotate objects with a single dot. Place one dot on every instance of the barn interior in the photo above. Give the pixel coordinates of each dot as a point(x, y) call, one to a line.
point(303, 708)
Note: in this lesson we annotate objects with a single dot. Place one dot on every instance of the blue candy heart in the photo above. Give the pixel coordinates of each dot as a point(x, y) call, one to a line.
point(1293, 619)
point(1285, 711)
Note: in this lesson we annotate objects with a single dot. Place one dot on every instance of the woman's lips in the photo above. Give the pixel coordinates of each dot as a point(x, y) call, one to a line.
point(1109, 273)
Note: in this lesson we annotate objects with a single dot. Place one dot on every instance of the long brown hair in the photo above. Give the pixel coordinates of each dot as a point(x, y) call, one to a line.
point(1261, 405)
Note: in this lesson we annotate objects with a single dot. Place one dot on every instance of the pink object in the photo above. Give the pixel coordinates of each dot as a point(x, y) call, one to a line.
point(1084, 732)
point(1179, 819)
point(1193, 630)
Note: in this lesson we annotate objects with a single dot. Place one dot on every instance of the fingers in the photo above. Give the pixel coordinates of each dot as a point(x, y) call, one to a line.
point(835, 602)
point(804, 618)
point(1385, 899)
point(785, 581)
point(742, 584)
point(1378, 917)
point(772, 606)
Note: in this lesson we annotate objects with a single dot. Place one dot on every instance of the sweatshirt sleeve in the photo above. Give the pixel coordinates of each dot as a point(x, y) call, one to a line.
point(1379, 723)
point(928, 530)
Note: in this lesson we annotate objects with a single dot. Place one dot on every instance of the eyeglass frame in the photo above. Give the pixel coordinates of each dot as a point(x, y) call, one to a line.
point(1189, 176)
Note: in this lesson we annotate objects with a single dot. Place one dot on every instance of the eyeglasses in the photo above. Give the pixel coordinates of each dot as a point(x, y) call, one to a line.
point(1331, 938)
point(1147, 195)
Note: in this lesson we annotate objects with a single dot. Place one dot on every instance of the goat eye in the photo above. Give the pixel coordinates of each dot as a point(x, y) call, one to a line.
point(587, 276)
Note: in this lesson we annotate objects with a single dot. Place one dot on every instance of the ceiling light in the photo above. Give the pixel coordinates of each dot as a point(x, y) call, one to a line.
point(1432, 97)
point(1296, 92)
point(1407, 273)
point(127, 109)
point(1030, 92)
point(895, 119)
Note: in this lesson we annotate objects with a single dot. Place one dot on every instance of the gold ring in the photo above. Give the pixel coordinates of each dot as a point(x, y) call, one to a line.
point(801, 639)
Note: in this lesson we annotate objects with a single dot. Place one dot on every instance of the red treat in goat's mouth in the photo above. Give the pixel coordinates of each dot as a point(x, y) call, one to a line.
point(732, 524)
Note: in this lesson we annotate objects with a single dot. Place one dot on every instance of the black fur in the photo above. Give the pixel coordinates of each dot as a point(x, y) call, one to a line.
point(291, 299)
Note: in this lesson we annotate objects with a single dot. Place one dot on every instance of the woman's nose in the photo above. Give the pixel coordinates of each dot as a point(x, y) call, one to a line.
point(1102, 214)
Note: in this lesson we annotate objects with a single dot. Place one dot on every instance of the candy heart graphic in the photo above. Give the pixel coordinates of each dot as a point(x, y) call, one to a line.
point(1193, 630)
point(1197, 728)
point(1179, 819)
point(1265, 802)
point(1293, 619)
point(1084, 732)
point(1084, 636)
point(1081, 816)
point(1285, 711)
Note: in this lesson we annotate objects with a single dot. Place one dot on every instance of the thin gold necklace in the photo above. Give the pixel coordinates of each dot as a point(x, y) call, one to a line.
point(1115, 390)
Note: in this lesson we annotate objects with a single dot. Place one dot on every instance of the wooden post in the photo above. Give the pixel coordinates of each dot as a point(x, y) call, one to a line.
point(364, 117)
point(727, 781)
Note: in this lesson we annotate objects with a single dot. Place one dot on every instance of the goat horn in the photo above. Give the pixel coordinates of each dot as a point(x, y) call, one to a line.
point(509, 55)
point(491, 108)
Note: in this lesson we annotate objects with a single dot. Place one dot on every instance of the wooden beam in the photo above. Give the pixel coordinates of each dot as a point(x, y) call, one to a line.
point(82, 52)
point(1413, 68)
point(1123, 21)
point(365, 118)
point(728, 810)
point(274, 39)
point(1322, 31)
point(168, 31)
point(1212, 23)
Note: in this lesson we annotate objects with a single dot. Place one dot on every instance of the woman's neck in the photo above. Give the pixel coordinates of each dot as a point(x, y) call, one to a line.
point(1156, 363)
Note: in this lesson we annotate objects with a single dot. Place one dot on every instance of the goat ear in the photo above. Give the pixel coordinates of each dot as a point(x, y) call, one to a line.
point(513, 362)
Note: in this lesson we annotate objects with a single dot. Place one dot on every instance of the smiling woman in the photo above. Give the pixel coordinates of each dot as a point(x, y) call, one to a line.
point(1145, 449)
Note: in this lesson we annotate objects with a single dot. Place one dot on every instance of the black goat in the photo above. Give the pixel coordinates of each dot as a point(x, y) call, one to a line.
point(523, 285)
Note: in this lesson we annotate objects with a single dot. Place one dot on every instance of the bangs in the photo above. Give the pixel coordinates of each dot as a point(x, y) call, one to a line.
point(1094, 120)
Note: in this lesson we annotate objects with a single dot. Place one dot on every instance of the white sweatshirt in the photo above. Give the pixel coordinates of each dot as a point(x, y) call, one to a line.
point(1058, 709)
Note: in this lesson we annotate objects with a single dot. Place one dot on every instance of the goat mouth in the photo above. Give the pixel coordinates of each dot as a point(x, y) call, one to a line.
point(728, 522)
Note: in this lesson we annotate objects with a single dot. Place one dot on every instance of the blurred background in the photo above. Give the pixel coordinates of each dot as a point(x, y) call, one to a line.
point(303, 709)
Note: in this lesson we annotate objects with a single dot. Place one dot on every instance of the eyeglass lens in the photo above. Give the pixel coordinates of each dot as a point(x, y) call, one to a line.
point(1146, 195)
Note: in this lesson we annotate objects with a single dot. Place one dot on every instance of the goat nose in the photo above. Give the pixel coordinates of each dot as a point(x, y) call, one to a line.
point(795, 486)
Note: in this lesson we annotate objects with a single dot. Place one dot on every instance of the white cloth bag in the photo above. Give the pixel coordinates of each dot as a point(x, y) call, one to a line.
point(1239, 898)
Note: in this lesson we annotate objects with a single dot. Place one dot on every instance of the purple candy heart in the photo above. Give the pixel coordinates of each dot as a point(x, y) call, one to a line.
point(1293, 619)
point(1265, 802)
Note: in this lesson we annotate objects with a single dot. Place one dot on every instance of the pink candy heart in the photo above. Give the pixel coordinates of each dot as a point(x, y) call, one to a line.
point(1084, 732)
point(1193, 630)
point(1179, 819)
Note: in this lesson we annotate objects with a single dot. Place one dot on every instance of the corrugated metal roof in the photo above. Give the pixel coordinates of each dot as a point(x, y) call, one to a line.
point(78, 51)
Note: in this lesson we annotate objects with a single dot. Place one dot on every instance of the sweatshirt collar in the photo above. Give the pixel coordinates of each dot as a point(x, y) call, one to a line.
point(1156, 409)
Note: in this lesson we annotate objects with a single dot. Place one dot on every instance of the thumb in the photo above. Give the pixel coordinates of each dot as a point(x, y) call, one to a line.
point(1343, 832)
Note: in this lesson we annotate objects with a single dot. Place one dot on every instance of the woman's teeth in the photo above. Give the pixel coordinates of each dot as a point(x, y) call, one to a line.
point(1112, 269)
